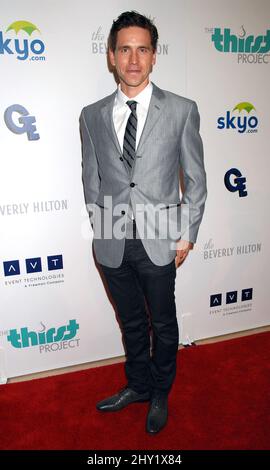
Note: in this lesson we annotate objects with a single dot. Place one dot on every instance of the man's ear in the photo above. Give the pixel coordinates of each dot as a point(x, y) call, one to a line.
point(111, 57)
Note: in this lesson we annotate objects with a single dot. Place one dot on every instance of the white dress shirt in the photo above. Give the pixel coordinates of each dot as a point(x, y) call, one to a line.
point(121, 113)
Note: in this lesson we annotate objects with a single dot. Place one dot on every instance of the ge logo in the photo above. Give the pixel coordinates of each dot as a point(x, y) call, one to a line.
point(24, 124)
point(238, 183)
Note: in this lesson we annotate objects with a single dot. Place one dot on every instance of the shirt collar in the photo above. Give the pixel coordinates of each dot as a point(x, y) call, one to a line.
point(143, 98)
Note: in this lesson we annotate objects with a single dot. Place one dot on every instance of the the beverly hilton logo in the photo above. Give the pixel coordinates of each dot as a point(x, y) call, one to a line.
point(99, 43)
point(250, 49)
point(23, 45)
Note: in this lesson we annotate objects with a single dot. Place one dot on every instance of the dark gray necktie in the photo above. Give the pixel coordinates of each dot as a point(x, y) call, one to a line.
point(129, 147)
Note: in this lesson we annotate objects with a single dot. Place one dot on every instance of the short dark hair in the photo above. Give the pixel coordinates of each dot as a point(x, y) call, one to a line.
point(132, 18)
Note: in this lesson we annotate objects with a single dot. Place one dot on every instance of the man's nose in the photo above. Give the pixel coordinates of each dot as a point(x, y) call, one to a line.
point(134, 57)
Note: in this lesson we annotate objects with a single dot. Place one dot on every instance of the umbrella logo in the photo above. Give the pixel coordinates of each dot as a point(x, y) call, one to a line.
point(26, 26)
point(245, 105)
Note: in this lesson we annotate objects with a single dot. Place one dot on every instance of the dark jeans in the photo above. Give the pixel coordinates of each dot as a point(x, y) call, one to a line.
point(135, 281)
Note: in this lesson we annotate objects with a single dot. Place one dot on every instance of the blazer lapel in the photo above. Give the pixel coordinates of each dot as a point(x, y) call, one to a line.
point(107, 114)
point(154, 113)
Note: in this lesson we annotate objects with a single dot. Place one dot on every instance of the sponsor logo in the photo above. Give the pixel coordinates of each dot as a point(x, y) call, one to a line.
point(239, 119)
point(231, 297)
point(210, 252)
point(238, 183)
point(24, 124)
point(20, 208)
point(249, 48)
point(23, 46)
point(25, 338)
point(32, 265)
point(99, 43)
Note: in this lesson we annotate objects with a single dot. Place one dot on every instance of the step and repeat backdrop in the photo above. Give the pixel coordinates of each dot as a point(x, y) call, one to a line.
point(54, 310)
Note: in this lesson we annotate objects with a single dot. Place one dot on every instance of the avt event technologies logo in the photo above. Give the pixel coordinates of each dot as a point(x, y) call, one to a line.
point(238, 183)
point(34, 266)
point(24, 47)
point(231, 297)
point(48, 340)
point(26, 120)
point(249, 49)
point(241, 121)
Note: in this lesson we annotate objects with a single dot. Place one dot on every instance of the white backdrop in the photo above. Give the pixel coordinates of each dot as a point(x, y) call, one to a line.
point(42, 210)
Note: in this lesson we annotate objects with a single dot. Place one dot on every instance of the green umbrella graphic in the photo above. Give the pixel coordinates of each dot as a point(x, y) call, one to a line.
point(23, 25)
point(244, 105)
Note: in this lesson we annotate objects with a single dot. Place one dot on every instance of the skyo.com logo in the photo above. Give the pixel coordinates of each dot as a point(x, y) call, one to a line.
point(24, 47)
point(250, 49)
point(243, 121)
point(48, 340)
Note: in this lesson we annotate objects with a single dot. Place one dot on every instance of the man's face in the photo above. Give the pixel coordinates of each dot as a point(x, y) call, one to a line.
point(133, 57)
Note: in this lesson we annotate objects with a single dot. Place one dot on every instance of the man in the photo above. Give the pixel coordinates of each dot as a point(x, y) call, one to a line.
point(135, 141)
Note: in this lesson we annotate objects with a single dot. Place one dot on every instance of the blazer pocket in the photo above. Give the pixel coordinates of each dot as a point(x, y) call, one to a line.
point(100, 205)
point(170, 206)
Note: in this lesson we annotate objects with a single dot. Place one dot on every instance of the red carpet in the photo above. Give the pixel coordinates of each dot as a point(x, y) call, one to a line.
point(220, 400)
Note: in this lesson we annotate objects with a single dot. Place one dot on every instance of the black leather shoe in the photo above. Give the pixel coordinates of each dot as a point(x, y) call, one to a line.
point(158, 414)
point(122, 399)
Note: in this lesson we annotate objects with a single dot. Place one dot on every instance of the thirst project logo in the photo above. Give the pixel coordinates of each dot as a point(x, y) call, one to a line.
point(48, 340)
point(248, 48)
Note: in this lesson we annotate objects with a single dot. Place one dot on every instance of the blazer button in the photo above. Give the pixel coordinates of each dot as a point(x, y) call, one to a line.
point(121, 159)
point(123, 212)
point(132, 185)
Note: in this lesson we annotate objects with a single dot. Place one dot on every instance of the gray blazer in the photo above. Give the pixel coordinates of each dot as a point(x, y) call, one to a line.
point(170, 141)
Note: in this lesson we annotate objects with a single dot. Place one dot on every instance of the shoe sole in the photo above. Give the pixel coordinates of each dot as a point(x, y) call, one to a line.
point(153, 433)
